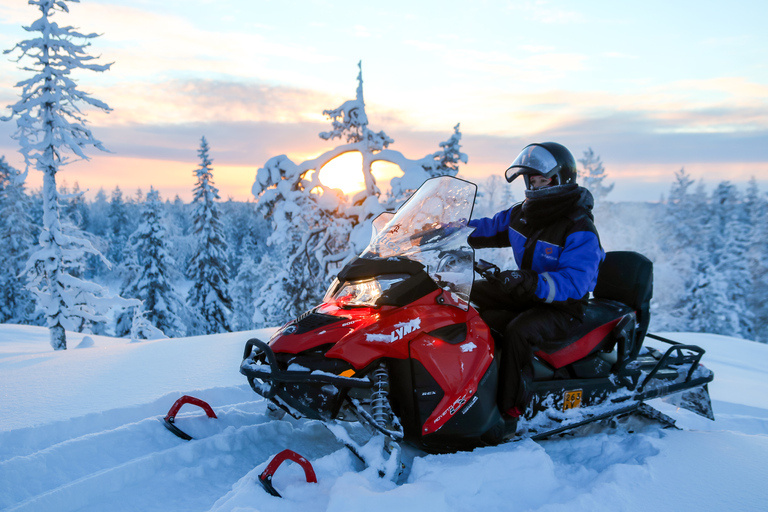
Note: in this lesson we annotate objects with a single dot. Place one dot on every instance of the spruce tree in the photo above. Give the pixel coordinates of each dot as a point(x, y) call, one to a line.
point(118, 230)
point(730, 250)
point(756, 213)
point(244, 290)
point(150, 282)
point(208, 269)
point(50, 124)
point(16, 302)
point(676, 268)
point(448, 158)
point(592, 176)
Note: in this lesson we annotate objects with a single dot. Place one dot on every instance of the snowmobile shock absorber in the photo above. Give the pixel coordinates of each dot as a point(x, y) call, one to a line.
point(380, 409)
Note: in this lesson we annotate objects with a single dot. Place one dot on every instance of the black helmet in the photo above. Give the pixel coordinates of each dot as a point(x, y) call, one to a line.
point(548, 159)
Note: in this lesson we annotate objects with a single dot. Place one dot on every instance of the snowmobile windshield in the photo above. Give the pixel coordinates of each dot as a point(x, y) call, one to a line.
point(431, 228)
point(533, 159)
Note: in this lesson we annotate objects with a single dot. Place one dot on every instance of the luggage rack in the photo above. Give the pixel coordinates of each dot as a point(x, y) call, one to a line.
point(674, 356)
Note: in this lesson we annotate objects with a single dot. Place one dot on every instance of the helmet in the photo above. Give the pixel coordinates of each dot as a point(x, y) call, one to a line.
point(548, 159)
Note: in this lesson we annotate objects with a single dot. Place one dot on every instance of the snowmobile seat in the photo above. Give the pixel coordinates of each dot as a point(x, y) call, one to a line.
point(620, 306)
point(595, 334)
point(627, 277)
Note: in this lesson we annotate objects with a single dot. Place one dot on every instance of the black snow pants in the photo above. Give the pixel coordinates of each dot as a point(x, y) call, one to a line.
point(521, 329)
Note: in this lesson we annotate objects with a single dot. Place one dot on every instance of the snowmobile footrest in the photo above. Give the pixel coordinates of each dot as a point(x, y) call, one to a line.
point(265, 479)
point(617, 412)
point(170, 418)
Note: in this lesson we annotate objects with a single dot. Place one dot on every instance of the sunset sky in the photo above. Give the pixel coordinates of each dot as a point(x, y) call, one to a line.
point(651, 87)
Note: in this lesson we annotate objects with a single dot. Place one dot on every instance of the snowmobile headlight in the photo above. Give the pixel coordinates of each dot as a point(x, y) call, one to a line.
point(365, 292)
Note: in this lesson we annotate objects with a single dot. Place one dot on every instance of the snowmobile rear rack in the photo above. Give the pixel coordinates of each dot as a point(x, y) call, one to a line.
point(265, 478)
point(680, 358)
point(170, 418)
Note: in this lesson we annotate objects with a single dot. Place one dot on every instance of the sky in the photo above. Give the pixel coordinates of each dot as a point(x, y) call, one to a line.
point(651, 88)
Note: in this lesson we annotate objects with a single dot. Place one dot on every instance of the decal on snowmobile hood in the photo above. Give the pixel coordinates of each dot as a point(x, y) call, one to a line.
point(401, 330)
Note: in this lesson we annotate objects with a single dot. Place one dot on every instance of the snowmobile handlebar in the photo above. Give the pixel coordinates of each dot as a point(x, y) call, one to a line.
point(487, 269)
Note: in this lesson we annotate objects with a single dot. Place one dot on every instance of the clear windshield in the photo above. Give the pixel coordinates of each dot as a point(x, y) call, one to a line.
point(431, 228)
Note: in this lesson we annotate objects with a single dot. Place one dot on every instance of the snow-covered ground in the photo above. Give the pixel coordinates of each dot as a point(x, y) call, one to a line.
point(81, 430)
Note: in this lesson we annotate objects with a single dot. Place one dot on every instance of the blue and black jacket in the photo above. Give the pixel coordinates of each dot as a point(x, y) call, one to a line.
point(565, 253)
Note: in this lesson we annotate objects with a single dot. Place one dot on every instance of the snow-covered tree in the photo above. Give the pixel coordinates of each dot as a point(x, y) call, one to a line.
point(246, 233)
point(180, 216)
point(448, 158)
point(16, 302)
point(316, 230)
point(244, 290)
point(756, 213)
point(444, 162)
point(208, 269)
point(50, 123)
point(676, 268)
point(141, 328)
point(75, 209)
point(118, 226)
point(730, 250)
point(592, 175)
point(151, 279)
point(99, 214)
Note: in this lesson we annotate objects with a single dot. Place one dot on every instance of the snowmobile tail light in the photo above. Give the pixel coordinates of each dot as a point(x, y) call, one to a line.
point(363, 293)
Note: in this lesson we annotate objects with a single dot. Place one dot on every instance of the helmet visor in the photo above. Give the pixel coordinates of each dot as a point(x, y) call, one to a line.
point(533, 159)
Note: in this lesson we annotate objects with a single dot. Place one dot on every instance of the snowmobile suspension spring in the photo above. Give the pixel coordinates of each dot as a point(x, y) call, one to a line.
point(380, 409)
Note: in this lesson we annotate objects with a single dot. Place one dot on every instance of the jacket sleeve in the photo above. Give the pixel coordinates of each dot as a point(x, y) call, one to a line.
point(491, 232)
point(576, 271)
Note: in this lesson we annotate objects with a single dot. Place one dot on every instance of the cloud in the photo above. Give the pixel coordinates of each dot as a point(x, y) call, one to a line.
point(200, 101)
point(150, 44)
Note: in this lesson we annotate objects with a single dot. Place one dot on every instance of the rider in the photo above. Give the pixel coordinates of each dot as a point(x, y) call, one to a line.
point(557, 251)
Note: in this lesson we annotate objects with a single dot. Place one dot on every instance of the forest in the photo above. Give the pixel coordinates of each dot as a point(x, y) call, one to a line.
point(710, 254)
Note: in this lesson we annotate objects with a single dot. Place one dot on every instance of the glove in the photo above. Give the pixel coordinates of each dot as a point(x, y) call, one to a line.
point(520, 284)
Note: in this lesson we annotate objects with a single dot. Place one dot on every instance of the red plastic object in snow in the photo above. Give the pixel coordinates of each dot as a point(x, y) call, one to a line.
point(265, 479)
point(170, 418)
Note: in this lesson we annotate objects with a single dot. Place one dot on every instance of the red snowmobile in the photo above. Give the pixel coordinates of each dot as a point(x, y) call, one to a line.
point(396, 345)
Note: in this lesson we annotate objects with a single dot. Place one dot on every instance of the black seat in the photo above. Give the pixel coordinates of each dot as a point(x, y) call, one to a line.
point(627, 277)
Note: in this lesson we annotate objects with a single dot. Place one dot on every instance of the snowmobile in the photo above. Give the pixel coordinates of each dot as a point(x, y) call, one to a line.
point(396, 345)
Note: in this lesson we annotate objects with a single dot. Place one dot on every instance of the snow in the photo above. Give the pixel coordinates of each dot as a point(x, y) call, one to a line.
point(81, 430)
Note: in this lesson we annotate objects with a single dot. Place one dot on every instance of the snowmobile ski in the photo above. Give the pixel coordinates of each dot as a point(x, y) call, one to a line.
point(265, 478)
point(170, 418)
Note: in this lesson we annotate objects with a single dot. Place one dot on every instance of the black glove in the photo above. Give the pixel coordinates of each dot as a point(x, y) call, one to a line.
point(520, 284)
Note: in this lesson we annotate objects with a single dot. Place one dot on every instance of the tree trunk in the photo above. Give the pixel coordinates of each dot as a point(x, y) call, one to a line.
point(58, 337)
point(53, 266)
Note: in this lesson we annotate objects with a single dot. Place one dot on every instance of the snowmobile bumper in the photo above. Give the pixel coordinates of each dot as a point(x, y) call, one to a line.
point(321, 393)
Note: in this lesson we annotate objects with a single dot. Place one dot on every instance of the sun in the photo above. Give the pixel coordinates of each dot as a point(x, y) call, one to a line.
point(345, 172)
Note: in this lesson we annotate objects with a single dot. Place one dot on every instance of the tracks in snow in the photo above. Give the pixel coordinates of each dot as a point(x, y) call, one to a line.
point(139, 465)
